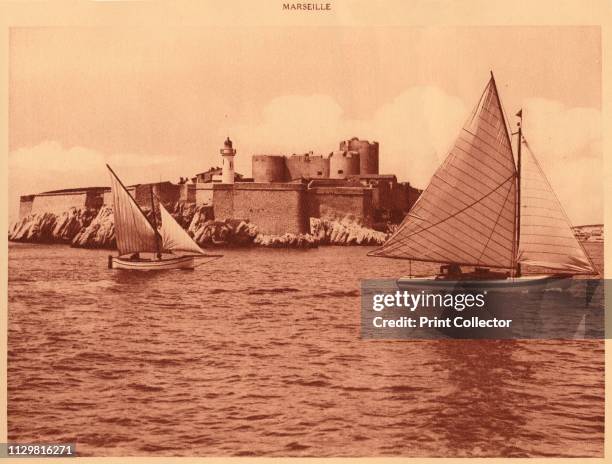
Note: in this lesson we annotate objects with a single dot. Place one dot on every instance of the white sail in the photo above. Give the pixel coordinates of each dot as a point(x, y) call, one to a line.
point(546, 239)
point(133, 231)
point(174, 237)
point(467, 214)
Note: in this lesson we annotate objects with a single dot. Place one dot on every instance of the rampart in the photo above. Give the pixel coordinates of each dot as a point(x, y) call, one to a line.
point(275, 208)
point(59, 201)
point(329, 202)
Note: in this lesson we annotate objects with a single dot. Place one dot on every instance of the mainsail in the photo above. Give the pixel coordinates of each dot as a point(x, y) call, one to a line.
point(467, 214)
point(133, 231)
point(547, 239)
point(174, 237)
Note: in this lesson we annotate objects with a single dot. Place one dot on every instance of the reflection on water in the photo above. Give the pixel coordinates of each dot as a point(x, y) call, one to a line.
point(259, 353)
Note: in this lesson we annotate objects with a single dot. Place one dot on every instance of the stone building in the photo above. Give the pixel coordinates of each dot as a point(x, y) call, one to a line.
point(284, 193)
point(288, 190)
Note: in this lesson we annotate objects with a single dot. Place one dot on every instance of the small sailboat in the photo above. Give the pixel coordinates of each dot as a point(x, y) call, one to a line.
point(135, 234)
point(482, 211)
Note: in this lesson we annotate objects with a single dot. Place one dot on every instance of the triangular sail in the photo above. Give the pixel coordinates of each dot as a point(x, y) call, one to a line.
point(174, 237)
point(133, 231)
point(467, 214)
point(547, 239)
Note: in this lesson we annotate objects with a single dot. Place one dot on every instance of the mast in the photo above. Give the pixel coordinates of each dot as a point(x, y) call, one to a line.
point(517, 221)
point(518, 188)
point(154, 223)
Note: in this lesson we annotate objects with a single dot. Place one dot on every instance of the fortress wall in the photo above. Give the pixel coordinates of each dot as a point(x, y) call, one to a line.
point(167, 192)
point(223, 201)
point(25, 205)
point(269, 168)
point(412, 195)
point(275, 208)
point(204, 193)
point(307, 166)
point(187, 193)
point(57, 203)
point(341, 202)
point(94, 199)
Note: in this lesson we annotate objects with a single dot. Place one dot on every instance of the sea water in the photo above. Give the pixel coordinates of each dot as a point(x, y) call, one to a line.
point(259, 354)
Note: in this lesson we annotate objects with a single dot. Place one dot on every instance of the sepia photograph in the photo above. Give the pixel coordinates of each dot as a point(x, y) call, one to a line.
point(221, 235)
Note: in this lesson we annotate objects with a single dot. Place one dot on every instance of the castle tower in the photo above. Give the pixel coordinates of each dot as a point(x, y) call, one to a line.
point(228, 153)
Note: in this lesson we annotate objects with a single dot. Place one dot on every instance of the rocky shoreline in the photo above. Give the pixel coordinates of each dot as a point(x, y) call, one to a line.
point(90, 228)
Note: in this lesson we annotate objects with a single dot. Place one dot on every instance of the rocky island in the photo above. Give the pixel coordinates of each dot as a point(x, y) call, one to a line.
point(291, 201)
point(88, 228)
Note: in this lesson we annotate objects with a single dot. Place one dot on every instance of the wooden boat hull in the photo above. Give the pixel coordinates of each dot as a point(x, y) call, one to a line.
point(500, 301)
point(180, 262)
point(511, 284)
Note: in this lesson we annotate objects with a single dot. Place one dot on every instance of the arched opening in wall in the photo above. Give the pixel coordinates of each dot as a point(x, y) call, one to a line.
point(340, 171)
point(319, 173)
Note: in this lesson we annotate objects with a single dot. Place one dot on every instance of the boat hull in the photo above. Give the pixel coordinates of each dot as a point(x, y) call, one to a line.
point(505, 300)
point(511, 284)
point(180, 262)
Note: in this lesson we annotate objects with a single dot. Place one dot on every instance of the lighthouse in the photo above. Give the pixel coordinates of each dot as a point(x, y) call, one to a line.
point(228, 153)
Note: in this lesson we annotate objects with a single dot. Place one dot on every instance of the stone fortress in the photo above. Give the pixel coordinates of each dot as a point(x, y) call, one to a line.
point(281, 197)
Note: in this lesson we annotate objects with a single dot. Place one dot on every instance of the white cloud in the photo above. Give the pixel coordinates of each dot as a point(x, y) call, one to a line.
point(567, 143)
point(417, 128)
point(415, 131)
point(50, 166)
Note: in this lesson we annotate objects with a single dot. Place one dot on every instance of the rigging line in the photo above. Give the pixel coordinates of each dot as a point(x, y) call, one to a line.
point(472, 220)
point(454, 249)
point(463, 222)
point(481, 161)
point(459, 187)
point(569, 223)
point(475, 225)
point(462, 165)
point(505, 121)
point(497, 152)
point(453, 246)
point(466, 207)
point(495, 137)
point(403, 240)
point(467, 122)
point(477, 107)
point(448, 196)
point(495, 225)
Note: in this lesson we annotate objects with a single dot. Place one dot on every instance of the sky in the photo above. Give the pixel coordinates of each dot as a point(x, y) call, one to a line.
point(156, 104)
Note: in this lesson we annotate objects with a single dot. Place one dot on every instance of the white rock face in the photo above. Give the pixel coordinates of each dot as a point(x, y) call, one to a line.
point(100, 233)
point(89, 228)
point(51, 227)
point(344, 232)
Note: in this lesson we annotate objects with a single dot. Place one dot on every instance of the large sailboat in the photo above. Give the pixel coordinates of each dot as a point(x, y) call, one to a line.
point(136, 234)
point(483, 212)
